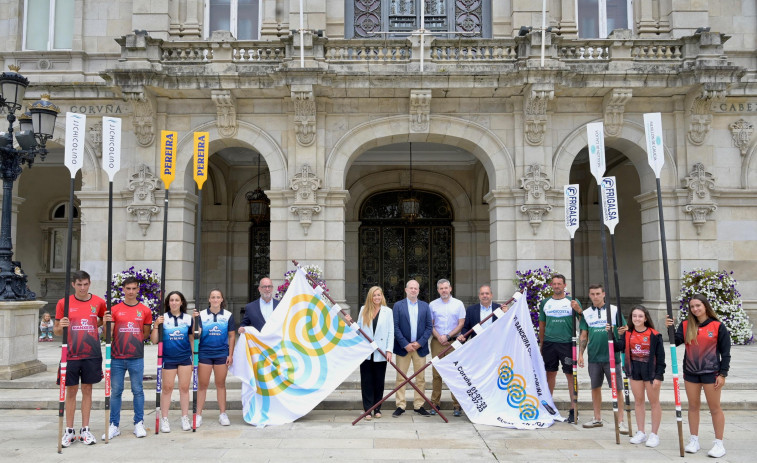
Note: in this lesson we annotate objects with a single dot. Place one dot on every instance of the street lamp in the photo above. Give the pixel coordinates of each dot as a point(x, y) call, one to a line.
point(35, 128)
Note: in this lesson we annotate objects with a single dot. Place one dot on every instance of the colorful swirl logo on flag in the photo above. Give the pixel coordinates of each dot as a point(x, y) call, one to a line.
point(309, 333)
point(515, 385)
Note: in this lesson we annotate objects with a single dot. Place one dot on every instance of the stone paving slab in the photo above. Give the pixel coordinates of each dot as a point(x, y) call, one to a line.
point(323, 436)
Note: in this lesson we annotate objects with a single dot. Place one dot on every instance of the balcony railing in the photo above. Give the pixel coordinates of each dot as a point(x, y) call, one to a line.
point(207, 52)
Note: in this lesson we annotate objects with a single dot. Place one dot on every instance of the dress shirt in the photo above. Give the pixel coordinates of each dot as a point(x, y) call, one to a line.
point(485, 311)
point(266, 308)
point(447, 315)
point(412, 312)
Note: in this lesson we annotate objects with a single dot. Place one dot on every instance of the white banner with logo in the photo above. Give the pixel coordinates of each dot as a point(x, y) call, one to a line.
point(303, 353)
point(498, 377)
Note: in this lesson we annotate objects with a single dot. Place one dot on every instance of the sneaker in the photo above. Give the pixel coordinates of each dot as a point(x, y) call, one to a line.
point(432, 411)
point(139, 429)
point(223, 419)
point(86, 437)
point(693, 445)
point(113, 431)
point(653, 440)
point(398, 412)
point(198, 421)
point(422, 411)
point(42, 338)
point(164, 425)
point(622, 428)
point(49, 337)
point(186, 425)
point(457, 412)
point(572, 417)
point(639, 438)
point(717, 449)
point(594, 424)
point(69, 437)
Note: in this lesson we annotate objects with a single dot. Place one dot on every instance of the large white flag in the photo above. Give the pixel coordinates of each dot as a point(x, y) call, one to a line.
point(302, 354)
point(498, 377)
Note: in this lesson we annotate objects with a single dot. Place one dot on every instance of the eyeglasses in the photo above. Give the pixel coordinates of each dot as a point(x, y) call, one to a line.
point(266, 287)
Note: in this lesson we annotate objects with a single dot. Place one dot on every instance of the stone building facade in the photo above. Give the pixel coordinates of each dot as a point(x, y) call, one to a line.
point(332, 114)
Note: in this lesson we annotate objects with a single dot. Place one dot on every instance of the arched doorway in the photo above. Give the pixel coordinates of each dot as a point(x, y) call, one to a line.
point(393, 250)
point(628, 237)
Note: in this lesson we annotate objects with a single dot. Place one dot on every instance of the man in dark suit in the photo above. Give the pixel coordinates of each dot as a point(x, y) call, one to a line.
point(477, 312)
point(257, 312)
point(412, 329)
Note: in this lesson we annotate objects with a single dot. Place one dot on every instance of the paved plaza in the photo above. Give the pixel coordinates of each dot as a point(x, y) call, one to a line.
point(29, 429)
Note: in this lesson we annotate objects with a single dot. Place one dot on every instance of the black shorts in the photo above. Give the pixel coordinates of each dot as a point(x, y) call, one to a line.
point(599, 372)
point(213, 361)
point(558, 352)
point(640, 371)
point(175, 365)
point(707, 378)
point(86, 371)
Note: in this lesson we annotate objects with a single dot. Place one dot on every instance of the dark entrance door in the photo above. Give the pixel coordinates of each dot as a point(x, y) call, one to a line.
point(393, 250)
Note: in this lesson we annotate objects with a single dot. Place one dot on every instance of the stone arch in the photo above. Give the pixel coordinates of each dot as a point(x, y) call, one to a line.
point(248, 136)
point(92, 175)
point(239, 211)
point(422, 180)
point(747, 178)
point(631, 142)
point(454, 131)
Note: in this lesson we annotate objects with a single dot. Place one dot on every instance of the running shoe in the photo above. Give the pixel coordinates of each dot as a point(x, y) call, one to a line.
point(622, 428)
point(139, 429)
point(594, 424)
point(717, 449)
point(653, 440)
point(113, 431)
point(86, 437)
point(639, 438)
point(186, 425)
point(198, 421)
point(69, 437)
point(164, 425)
point(223, 419)
point(693, 445)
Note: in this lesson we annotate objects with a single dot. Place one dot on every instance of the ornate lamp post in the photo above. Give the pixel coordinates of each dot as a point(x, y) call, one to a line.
point(35, 128)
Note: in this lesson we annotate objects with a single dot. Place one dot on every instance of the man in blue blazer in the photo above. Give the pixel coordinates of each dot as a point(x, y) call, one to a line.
point(477, 312)
point(257, 312)
point(412, 329)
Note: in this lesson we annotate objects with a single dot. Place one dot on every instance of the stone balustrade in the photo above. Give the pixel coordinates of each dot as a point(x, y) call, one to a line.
point(487, 50)
point(205, 52)
point(344, 50)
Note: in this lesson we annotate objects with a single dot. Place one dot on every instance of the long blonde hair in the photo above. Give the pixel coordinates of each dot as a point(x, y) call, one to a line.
point(369, 310)
point(692, 327)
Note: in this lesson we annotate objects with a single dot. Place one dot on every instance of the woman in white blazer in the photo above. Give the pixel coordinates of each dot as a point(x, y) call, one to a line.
point(376, 319)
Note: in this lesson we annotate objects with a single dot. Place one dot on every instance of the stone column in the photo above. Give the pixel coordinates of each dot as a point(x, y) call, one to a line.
point(647, 26)
point(18, 339)
point(503, 244)
point(279, 250)
point(269, 29)
point(192, 25)
point(568, 26)
point(333, 217)
point(174, 27)
point(352, 263)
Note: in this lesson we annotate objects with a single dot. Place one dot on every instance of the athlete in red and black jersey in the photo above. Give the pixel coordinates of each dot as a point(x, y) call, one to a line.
point(705, 366)
point(84, 358)
point(645, 366)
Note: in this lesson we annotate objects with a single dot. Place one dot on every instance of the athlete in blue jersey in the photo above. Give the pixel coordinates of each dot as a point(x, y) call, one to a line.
point(216, 348)
point(177, 357)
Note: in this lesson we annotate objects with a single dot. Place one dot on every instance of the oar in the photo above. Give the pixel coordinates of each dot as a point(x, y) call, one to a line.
point(571, 193)
point(111, 150)
point(200, 174)
point(656, 159)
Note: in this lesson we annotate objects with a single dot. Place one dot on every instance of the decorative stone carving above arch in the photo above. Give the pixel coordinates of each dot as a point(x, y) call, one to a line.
point(700, 104)
point(144, 117)
point(454, 131)
point(699, 203)
point(741, 133)
point(143, 183)
point(305, 185)
point(535, 109)
point(614, 104)
point(226, 109)
point(304, 114)
point(420, 110)
point(535, 183)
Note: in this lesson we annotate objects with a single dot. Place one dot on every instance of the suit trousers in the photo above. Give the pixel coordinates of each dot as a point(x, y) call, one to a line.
point(403, 364)
point(372, 375)
point(436, 394)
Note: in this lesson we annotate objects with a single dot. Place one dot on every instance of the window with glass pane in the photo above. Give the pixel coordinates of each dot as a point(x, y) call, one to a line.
point(366, 17)
point(49, 24)
point(597, 18)
point(240, 17)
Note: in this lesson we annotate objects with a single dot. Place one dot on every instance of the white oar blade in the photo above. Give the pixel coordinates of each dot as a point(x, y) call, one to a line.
point(655, 150)
point(571, 208)
point(111, 146)
point(596, 139)
point(609, 192)
point(76, 127)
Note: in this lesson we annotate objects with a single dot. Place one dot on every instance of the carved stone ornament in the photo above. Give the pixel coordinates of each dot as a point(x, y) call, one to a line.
point(535, 109)
point(741, 132)
point(144, 117)
point(96, 137)
point(304, 114)
point(699, 203)
point(536, 183)
point(701, 112)
point(305, 185)
point(614, 106)
point(143, 206)
point(226, 108)
point(420, 110)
